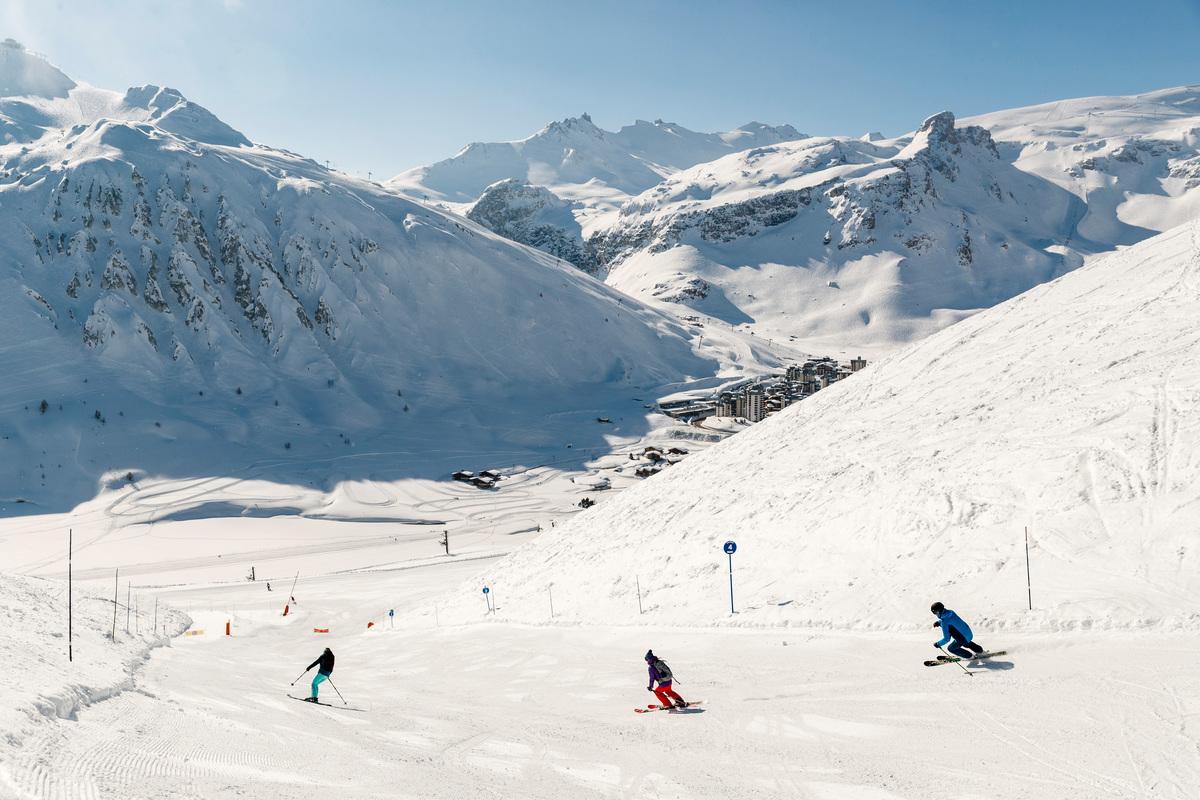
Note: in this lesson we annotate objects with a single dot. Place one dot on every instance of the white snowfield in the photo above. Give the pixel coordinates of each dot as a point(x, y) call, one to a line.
point(1071, 409)
point(511, 711)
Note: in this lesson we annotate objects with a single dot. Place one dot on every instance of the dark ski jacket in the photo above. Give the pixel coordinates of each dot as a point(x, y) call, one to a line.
point(952, 623)
point(660, 672)
point(326, 662)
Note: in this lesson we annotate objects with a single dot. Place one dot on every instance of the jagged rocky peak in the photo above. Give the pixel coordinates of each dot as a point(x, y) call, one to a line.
point(940, 124)
point(581, 124)
point(940, 128)
point(23, 73)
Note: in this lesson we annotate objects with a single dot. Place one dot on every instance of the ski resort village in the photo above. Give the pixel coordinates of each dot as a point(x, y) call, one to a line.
point(376, 423)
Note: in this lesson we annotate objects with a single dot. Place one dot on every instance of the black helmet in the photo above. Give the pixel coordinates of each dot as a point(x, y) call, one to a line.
point(937, 608)
point(650, 655)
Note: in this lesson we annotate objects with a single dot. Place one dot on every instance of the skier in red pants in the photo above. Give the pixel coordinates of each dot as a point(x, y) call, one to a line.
point(661, 673)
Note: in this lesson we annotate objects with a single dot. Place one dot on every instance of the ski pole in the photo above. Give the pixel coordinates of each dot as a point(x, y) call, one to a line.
point(959, 662)
point(301, 675)
point(339, 694)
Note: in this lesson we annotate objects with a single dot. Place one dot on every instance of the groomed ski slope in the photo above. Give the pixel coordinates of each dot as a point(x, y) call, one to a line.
point(510, 711)
point(1073, 409)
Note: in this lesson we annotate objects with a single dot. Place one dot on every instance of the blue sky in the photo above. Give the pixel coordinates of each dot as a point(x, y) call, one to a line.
point(381, 86)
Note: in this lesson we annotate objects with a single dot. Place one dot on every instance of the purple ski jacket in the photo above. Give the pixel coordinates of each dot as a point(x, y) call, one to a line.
point(655, 676)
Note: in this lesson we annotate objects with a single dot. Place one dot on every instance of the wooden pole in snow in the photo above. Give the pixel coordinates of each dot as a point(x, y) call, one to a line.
point(116, 588)
point(70, 597)
point(638, 582)
point(551, 592)
point(1028, 580)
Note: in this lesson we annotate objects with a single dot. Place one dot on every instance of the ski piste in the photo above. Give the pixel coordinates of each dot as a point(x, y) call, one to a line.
point(327, 705)
point(656, 707)
point(955, 659)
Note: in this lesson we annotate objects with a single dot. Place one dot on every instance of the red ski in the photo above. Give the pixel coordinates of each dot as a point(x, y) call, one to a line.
point(655, 707)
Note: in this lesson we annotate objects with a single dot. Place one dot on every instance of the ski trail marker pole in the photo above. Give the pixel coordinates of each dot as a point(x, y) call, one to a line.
point(1028, 581)
point(638, 581)
point(116, 584)
point(730, 548)
point(70, 597)
point(339, 694)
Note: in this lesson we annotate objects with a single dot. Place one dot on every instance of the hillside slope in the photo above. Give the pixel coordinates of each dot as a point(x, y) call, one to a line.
point(1133, 160)
point(1073, 409)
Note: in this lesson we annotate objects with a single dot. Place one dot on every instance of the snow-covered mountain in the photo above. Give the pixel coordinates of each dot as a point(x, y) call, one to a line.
point(575, 158)
point(174, 299)
point(37, 98)
point(842, 243)
point(843, 240)
point(1134, 161)
point(1070, 409)
point(867, 243)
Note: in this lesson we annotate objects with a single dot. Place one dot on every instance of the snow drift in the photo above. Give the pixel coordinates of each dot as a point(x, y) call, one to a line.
point(1073, 409)
point(41, 684)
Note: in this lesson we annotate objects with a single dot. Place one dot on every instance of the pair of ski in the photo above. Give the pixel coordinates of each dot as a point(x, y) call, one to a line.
point(954, 659)
point(656, 707)
point(327, 705)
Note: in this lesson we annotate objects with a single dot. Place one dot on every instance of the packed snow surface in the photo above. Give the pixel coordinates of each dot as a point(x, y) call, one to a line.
point(1071, 409)
point(429, 710)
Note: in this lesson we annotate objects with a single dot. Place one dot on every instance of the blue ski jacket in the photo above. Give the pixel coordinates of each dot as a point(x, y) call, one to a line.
point(953, 622)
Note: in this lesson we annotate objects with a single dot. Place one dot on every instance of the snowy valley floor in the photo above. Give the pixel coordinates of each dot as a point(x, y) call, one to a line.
point(496, 710)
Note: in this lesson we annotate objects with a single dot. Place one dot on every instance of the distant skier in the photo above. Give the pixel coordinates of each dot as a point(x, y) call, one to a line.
point(661, 673)
point(325, 660)
point(954, 632)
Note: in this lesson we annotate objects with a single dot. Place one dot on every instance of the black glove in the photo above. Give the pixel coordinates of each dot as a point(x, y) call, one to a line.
point(938, 646)
point(937, 624)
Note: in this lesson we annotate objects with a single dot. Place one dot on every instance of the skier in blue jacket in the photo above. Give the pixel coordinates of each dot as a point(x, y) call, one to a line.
point(954, 632)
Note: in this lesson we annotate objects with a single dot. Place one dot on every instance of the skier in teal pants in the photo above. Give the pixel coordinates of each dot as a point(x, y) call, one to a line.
point(325, 662)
